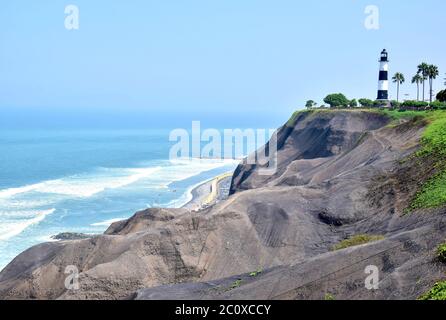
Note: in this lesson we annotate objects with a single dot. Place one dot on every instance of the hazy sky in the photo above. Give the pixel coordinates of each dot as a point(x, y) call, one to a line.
point(206, 57)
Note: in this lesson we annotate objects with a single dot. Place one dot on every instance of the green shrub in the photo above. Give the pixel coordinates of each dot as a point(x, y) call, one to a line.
point(353, 103)
point(356, 241)
point(441, 252)
point(379, 103)
point(237, 283)
point(395, 104)
point(441, 96)
point(336, 100)
point(310, 104)
point(438, 105)
point(366, 103)
point(256, 273)
point(329, 297)
point(438, 292)
point(414, 104)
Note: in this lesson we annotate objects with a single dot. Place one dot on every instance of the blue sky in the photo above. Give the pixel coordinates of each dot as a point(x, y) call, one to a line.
point(210, 59)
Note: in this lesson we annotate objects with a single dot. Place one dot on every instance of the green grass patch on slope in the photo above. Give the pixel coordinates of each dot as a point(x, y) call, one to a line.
point(395, 115)
point(256, 273)
point(438, 292)
point(357, 240)
point(434, 137)
point(432, 193)
point(329, 297)
point(441, 252)
point(404, 115)
point(291, 122)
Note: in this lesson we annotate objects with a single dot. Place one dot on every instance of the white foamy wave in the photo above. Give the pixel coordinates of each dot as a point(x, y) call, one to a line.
point(182, 169)
point(106, 223)
point(85, 185)
point(11, 226)
point(20, 212)
point(14, 191)
point(23, 204)
point(185, 198)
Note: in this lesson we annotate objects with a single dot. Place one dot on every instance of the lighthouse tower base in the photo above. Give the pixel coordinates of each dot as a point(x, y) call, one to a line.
point(383, 95)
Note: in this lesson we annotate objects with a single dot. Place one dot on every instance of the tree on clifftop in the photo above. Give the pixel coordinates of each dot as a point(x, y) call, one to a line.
point(310, 104)
point(441, 96)
point(366, 103)
point(432, 73)
point(398, 78)
point(418, 78)
point(336, 100)
point(422, 70)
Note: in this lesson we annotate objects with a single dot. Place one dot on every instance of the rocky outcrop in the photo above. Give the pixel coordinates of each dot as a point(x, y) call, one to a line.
point(339, 174)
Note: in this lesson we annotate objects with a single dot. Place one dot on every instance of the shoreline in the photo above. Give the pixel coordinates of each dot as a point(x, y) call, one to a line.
point(200, 196)
point(209, 192)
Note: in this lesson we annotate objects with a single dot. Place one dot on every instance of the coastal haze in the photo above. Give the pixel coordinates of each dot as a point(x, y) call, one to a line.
point(158, 63)
point(93, 94)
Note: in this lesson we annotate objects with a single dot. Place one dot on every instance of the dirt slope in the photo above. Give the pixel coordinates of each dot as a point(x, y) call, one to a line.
point(339, 175)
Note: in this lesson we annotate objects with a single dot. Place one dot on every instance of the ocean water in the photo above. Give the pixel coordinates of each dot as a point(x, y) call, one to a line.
point(54, 181)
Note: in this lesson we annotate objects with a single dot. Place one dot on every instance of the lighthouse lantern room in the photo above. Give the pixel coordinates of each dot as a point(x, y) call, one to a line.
point(383, 83)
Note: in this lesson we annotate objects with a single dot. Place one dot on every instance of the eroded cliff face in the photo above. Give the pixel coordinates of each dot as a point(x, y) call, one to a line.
point(309, 136)
point(339, 174)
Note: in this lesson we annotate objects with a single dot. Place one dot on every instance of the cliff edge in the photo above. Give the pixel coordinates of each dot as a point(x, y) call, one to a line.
point(340, 174)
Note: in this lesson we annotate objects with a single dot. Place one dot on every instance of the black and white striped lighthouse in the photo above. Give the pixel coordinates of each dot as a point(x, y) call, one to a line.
point(383, 84)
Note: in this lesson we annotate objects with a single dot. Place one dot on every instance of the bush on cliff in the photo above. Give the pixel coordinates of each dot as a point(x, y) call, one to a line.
point(414, 104)
point(438, 292)
point(337, 100)
point(366, 103)
point(395, 104)
point(379, 103)
point(353, 103)
point(436, 105)
point(441, 96)
point(441, 252)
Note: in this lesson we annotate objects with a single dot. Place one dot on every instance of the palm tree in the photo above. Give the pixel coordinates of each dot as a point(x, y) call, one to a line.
point(398, 78)
point(417, 79)
point(432, 73)
point(422, 70)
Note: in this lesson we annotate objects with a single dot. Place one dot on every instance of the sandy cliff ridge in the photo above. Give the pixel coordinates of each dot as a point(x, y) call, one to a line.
point(340, 173)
